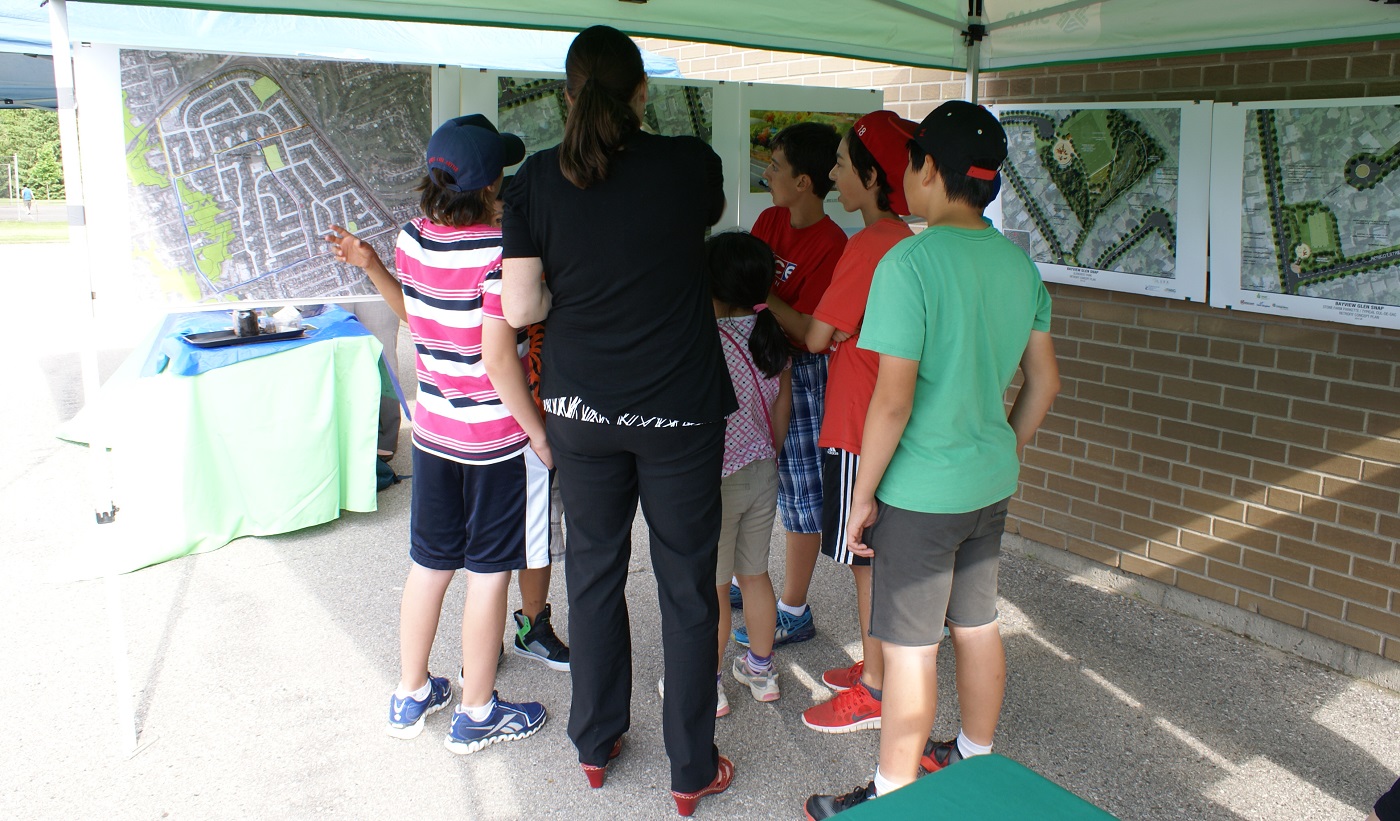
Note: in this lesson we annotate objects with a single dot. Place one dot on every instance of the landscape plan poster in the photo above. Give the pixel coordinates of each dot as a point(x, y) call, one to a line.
point(1305, 209)
point(1110, 196)
point(238, 165)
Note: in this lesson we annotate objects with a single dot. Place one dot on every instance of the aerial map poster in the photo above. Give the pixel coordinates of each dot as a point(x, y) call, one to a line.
point(1110, 196)
point(1306, 210)
point(238, 165)
point(535, 108)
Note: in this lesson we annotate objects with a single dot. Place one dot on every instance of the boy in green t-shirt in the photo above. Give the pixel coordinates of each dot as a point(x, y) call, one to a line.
point(953, 312)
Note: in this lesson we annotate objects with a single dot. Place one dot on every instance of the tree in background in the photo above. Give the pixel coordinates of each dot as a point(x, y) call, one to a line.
point(33, 135)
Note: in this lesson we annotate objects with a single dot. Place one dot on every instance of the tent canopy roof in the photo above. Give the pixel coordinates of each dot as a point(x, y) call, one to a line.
point(907, 32)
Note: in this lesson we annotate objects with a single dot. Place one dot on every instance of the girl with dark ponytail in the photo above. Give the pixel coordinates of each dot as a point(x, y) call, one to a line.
point(604, 234)
point(740, 267)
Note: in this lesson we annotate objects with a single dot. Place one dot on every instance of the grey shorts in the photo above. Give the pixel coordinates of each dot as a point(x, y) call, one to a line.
point(932, 567)
point(750, 497)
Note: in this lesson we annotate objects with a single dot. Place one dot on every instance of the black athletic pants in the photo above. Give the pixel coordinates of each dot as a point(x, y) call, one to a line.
point(603, 471)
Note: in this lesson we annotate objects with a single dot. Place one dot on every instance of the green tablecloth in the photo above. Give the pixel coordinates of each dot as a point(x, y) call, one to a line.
point(260, 447)
point(983, 788)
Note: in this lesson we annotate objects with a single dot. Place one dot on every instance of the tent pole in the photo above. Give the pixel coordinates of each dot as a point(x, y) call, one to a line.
point(100, 488)
point(972, 38)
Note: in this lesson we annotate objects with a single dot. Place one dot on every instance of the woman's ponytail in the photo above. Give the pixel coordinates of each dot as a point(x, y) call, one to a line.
point(603, 71)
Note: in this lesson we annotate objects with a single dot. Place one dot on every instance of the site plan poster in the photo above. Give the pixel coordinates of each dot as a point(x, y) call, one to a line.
point(1306, 210)
point(237, 166)
point(1110, 196)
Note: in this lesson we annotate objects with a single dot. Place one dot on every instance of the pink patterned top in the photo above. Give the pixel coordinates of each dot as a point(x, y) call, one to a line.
point(748, 434)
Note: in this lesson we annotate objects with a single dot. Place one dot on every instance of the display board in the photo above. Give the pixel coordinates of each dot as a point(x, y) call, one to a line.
point(766, 109)
point(1110, 196)
point(1305, 209)
point(238, 166)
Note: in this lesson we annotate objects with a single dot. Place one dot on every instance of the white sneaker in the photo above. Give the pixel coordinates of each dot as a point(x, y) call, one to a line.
point(763, 687)
point(721, 701)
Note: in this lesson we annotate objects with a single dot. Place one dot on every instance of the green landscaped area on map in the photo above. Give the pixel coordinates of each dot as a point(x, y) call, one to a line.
point(273, 157)
point(202, 216)
point(172, 281)
point(1088, 130)
point(137, 166)
point(264, 87)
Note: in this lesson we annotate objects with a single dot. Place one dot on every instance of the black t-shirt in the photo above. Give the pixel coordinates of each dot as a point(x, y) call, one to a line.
point(631, 328)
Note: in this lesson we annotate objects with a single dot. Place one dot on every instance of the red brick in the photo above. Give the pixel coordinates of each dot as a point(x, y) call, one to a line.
point(1103, 394)
point(1324, 462)
point(1327, 70)
point(1124, 502)
point(1130, 420)
point(1346, 634)
point(1366, 447)
point(1387, 501)
point(1160, 363)
point(1212, 547)
point(1216, 483)
point(1239, 577)
point(1359, 396)
point(1179, 517)
point(1045, 536)
point(1167, 320)
point(1332, 417)
point(1223, 463)
point(1255, 402)
point(1292, 386)
point(1308, 599)
point(1285, 431)
point(1161, 406)
point(1103, 434)
point(1359, 543)
point(1067, 524)
point(1371, 65)
point(1258, 356)
point(1315, 555)
point(1184, 475)
point(1357, 517)
point(1298, 336)
point(1162, 448)
point(1153, 489)
point(1386, 349)
point(1384, 574)
point(1227, 326)
point(1096, 475)
point(1127, 460)
point(1221, 418)
point(1223, 75)
point(1147, 568)
point(1102, 454)
point(1287, 477)
point(1212, 504)
point(1286, 524)
point(1052, 462)
point(1351, 588)
point(1372, 373)
point(1118, 539)
point(1254, 446)
point(1270, 608)
point(1271, 565)
point(1379, 620)
point(1296, 361)
point(1223, 374)
point(1247, 491)
point(1096, 513)
point(1319, 509)
point(1332, 367)
point(1193, 346)
point(1193, 434)
point(1246, 536)
point(1132, 379)
point(1379, 474)
point(1097, 552)
point(1205, 587)
point(1281, 499)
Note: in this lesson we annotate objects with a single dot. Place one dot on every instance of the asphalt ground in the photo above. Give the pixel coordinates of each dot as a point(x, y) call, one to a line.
point(260, 672)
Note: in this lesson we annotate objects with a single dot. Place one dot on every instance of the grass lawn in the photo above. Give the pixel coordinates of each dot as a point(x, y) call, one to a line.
point(16, 232)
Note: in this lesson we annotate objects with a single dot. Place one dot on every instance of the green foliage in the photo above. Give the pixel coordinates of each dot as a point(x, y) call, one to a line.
point(33, 135)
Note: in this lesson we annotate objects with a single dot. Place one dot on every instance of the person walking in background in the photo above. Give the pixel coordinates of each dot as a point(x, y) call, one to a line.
point(26, 195)
point(481, 461)
point(604, 235)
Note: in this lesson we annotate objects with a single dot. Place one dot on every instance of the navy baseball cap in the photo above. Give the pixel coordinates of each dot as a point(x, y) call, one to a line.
point(963, 138)
point(471, 152)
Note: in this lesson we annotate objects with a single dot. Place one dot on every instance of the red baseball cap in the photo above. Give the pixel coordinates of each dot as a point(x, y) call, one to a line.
point(886, 136)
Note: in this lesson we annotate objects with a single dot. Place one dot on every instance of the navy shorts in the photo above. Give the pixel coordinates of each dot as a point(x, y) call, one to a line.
point(485, 518)
point(838, 482)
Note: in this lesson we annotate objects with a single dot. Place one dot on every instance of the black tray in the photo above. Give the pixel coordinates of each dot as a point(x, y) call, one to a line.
point(226, 337)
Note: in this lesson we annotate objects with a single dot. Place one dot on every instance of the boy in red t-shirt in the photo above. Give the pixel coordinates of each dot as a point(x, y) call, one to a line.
point(806, 244)
point(869, 178)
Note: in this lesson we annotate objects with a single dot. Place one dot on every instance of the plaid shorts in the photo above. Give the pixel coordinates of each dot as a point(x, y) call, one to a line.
point(800, 463)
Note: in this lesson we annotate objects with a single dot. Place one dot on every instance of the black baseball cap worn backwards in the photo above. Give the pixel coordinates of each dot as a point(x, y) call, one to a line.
point(472, 153)
point(963, 138)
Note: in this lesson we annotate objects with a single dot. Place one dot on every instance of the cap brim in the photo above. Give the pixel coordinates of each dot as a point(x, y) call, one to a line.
point(512, 150)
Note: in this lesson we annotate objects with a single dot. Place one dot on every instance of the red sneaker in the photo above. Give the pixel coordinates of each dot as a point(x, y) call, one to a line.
point(843, 678)
point(939, 754)
point(850, 710)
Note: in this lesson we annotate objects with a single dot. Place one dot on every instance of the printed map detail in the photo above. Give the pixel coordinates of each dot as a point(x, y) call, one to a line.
point(238, 166)
point(1093, 188)
point(535, 109)
point(1321, 204)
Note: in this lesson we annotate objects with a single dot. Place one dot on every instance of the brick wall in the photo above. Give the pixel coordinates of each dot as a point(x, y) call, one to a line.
point(1246, 459)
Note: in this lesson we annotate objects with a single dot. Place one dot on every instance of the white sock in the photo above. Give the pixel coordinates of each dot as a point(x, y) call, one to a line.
point(883, 786)
point(478, 714)
point(417, 695)
point(969, 748)
point(734, 580)
point(790, 610)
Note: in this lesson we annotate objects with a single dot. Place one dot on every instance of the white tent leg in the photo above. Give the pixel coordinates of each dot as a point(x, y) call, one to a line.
point(97, 451)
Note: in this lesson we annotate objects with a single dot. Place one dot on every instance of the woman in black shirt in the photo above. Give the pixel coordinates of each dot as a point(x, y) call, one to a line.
point(635, 390)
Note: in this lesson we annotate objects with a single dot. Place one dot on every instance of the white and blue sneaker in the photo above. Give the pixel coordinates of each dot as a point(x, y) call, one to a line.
point(406, 714)
point(736, 597)
point(507, 722)
point(790, 630)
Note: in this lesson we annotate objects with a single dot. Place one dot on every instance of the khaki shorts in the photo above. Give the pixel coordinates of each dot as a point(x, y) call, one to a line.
point(932, 567)
point(750, 499)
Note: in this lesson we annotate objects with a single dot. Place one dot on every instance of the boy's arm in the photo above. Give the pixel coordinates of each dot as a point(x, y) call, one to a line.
point(507, 375)
point(890, 407)
point(524, 297)
point(782, 409)
point(1041, 383)
point(820, 335)
point(355, 251)
point(794, 324)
